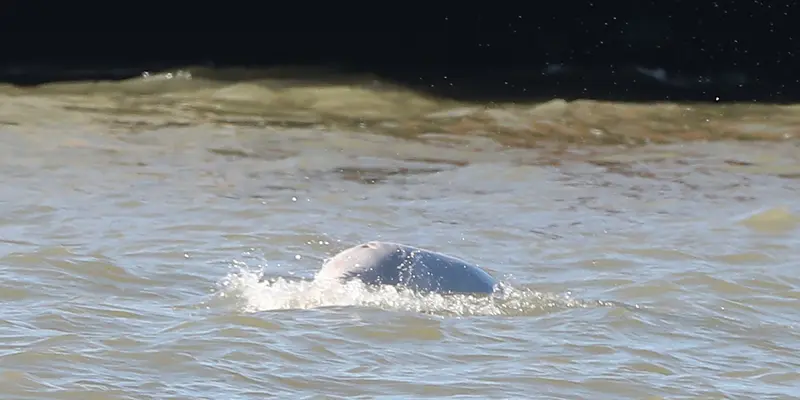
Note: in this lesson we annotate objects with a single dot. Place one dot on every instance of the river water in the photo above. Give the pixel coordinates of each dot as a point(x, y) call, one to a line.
point(158, 237)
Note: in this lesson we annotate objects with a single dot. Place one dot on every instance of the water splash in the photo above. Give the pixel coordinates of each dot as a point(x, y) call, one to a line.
point(252, 293)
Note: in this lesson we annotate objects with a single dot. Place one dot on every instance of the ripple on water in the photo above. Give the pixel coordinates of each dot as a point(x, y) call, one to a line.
point(108, 259)
point(772, 220)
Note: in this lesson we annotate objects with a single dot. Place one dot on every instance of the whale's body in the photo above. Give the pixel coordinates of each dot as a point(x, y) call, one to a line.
point(385, 263)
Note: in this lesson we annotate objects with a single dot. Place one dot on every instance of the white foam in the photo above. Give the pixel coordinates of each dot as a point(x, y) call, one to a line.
point(252, 294)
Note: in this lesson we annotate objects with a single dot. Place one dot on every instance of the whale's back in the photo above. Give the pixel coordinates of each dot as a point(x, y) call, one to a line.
point(446, 274)
point(384, 263)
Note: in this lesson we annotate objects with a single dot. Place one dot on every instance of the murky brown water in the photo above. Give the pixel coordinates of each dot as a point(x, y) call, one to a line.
point(137, 219)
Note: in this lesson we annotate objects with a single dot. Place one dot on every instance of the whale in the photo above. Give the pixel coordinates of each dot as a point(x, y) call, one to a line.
point(378, 263)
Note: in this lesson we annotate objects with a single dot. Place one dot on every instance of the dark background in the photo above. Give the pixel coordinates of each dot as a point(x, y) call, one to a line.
point(484, 49)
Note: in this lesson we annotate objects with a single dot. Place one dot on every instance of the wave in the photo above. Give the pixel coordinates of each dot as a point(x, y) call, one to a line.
point(327, 99)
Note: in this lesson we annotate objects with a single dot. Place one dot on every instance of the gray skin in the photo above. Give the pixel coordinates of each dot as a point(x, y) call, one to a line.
point(384, 263)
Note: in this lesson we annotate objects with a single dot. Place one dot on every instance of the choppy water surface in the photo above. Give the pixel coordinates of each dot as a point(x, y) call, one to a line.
point(155, 243)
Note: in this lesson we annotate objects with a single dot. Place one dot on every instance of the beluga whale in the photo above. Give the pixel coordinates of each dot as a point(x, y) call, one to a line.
point(378, 263)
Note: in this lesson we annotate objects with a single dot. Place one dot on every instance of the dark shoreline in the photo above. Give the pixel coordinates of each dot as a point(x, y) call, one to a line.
point(748, 49)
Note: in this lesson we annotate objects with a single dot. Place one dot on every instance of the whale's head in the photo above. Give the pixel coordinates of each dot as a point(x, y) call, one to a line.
point(373, 262)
